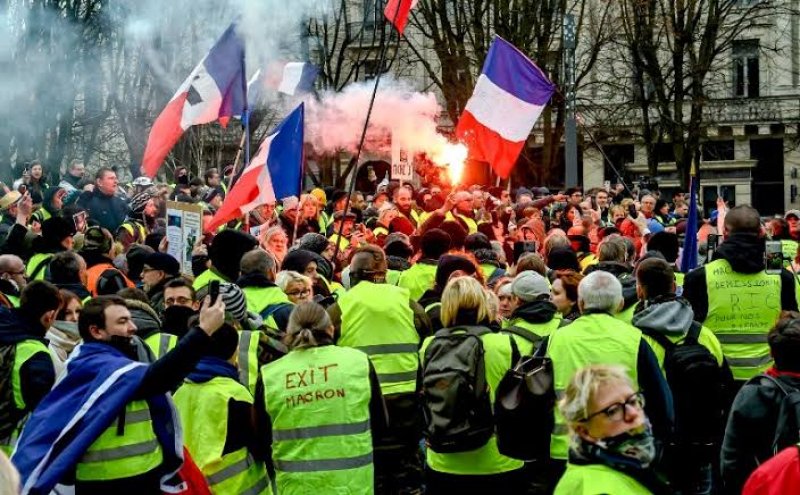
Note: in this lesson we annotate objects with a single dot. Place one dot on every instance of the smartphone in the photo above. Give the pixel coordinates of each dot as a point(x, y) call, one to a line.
point(522, 247)
point(213, 291)
point(773, 258)
point(632, 211)
point(607, 185)
point(713, 242)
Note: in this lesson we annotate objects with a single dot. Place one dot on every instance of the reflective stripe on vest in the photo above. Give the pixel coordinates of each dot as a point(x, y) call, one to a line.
point(320, 420)
point(595, 338)
point(123, 452)
point(741, 310)
point(377, 320)
point(248, 359)
point(161, 343)
point(203, 408)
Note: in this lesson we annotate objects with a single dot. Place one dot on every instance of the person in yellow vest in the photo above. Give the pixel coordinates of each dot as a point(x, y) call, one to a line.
point(317, 393)
point(158, 269)
point(612, 447)
point(25, 356)
point(115, 420)
point(51, 206)
point(297, 287)
point(421, 277)
point(217, 417)
point(225, 253)
point(349, 222)
point(398, 251)
point(263, 296)
point(735, 297)
point(668, 245)
point(382, 321)
point(12, 277)
point(482, 469)
point(180, 306)
point(386, 214)
point(102, 277)
point(141, 218)
point(56, 237)
point(534, 316)
point(666, 315)
point(613, 258)
point(402, 198)
point(597, 337)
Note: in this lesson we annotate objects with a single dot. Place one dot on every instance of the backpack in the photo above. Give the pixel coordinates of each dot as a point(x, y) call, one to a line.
point(696, 381)
point(456, 406)
point(523, 408)
point(787, 424)
point(9, 415)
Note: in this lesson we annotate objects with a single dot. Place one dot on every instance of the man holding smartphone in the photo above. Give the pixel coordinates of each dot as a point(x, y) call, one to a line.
point(737, 298)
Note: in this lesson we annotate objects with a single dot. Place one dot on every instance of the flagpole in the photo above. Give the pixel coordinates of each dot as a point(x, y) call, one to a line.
point(381, 61)
point(246, 129)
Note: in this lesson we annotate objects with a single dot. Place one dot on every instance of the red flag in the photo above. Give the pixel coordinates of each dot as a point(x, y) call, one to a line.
point(397, 11)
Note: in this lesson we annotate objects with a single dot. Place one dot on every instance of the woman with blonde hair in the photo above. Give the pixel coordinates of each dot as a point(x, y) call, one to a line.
point(310, 212)
point(299, 288)
point(612, 449)
point(322, 408)
point(465, 309)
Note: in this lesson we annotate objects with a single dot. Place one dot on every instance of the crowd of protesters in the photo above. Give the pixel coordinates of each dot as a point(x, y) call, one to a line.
point(299, 352)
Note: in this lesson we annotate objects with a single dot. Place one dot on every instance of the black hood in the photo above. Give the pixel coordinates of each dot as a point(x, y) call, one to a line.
point(15, 327)
point(397, 263)
point(77, 289)
point(611, 267)
point(93, 258)
point(745, 252)
point(254, 280)
point(535, 312)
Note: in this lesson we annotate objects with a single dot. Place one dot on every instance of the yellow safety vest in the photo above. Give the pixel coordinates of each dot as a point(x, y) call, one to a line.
point(318, 401)
point(595, 338)
point(161, 343)
point(203, 408)
point(789, 250)
point(205, 278)
point(38, 265)
point(534, 332)
point(259, 299)
point(134, 228)
point(23, 352)
point(597, 479)
point(419, 278)
point(247, 359)
point(377, 319)
point(741, 310)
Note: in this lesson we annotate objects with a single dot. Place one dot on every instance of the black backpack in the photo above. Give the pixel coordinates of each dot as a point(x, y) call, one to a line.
point(9, 414)
point(523, 408)
point(787, 426)
point(696, 381)
point(456, 404)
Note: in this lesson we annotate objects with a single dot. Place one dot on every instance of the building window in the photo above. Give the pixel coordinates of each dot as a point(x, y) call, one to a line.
point(373, 10)
point(745, 68)
point(714, 151)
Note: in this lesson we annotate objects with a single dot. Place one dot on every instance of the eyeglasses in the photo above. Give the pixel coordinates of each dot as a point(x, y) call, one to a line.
point(183, 301)
point(579, 195)
point(617, 411)
point(301, 293)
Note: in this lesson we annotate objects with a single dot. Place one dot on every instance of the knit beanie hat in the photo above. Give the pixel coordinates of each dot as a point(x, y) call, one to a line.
point(448, 264)
point(235, 303)
point(227, 249)
point(139, 202)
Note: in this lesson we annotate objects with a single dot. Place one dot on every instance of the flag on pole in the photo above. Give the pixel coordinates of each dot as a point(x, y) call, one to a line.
point(509, 97)
point(213, 91)
point(273, 173)
point(689, 255)
point(397, 12)
point(293, 79)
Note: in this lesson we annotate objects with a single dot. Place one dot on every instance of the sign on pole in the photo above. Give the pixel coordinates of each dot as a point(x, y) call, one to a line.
point(184, 230)
point(402, 163)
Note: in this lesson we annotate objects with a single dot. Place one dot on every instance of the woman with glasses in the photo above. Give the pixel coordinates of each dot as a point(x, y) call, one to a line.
point(297, 287)
point(612, 449)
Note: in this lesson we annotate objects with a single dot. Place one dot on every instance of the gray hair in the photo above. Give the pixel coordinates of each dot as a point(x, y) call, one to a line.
point(286, 277)
point(600, 291)
point(612, 248)
point(257, 261)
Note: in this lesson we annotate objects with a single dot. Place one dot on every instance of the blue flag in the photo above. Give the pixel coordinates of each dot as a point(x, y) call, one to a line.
point(689, 257)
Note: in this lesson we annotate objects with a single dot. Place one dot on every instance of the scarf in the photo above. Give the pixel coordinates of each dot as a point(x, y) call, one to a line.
point(211, 367)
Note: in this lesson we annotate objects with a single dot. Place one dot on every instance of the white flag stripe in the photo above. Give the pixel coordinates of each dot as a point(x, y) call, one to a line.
point(501, 111)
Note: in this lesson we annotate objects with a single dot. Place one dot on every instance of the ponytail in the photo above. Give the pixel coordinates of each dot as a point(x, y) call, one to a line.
point(308, 327)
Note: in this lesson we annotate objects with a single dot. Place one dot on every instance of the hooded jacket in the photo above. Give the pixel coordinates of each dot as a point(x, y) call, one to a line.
point(37, 375)
point(144, 317)
point(745, 253)
point(535, 312)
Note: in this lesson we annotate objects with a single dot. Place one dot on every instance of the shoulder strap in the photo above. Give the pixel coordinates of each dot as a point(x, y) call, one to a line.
point(42, 264)
point(659, 337)
point(272, 309)
point(693, 335)
point(475, 330)
point(541, 351)
point(521, 332)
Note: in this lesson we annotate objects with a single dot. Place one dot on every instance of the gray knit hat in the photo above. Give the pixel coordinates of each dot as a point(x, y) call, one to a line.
point(235, 303)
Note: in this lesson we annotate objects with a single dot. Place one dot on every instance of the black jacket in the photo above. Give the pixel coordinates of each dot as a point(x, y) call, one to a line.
point(745, 253)
point(750, 430)
point(107, 211)
point(37, 375)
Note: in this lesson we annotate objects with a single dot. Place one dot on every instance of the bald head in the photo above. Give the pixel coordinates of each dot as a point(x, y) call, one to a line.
point(368, 264)
point(10, 263)
point(743, 219)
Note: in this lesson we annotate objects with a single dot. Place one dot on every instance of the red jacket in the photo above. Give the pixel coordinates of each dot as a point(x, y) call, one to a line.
point(778, 476)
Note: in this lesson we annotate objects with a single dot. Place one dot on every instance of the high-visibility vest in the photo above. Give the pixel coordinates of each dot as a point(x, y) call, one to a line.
point(594, 338)
point(119, 453)
point(36, 268)
point(41, 215)
point(203, 408)
point(23, 352)
point(377, 320)
point(588, 260)
point(535, 332)
point(789, 250)
point(136, 230)
point(679, 277)
point(626, 314)
point(393, 276)
point(260, 299)
point(380, 230)
point(247, 359)
point(419, 278)
point(205, 278)
point(14, 300)
point(595, 479)
point(487, 459)
point(318, 401)
point(472, 225)
point(161, 343)
point(344, 242)
point(93, 276)
point(741, 310)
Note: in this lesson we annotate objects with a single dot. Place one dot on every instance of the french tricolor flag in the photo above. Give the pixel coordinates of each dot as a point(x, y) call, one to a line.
point(274, 172)
point(509, 97)
point(215, 90)
point(397, 12)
